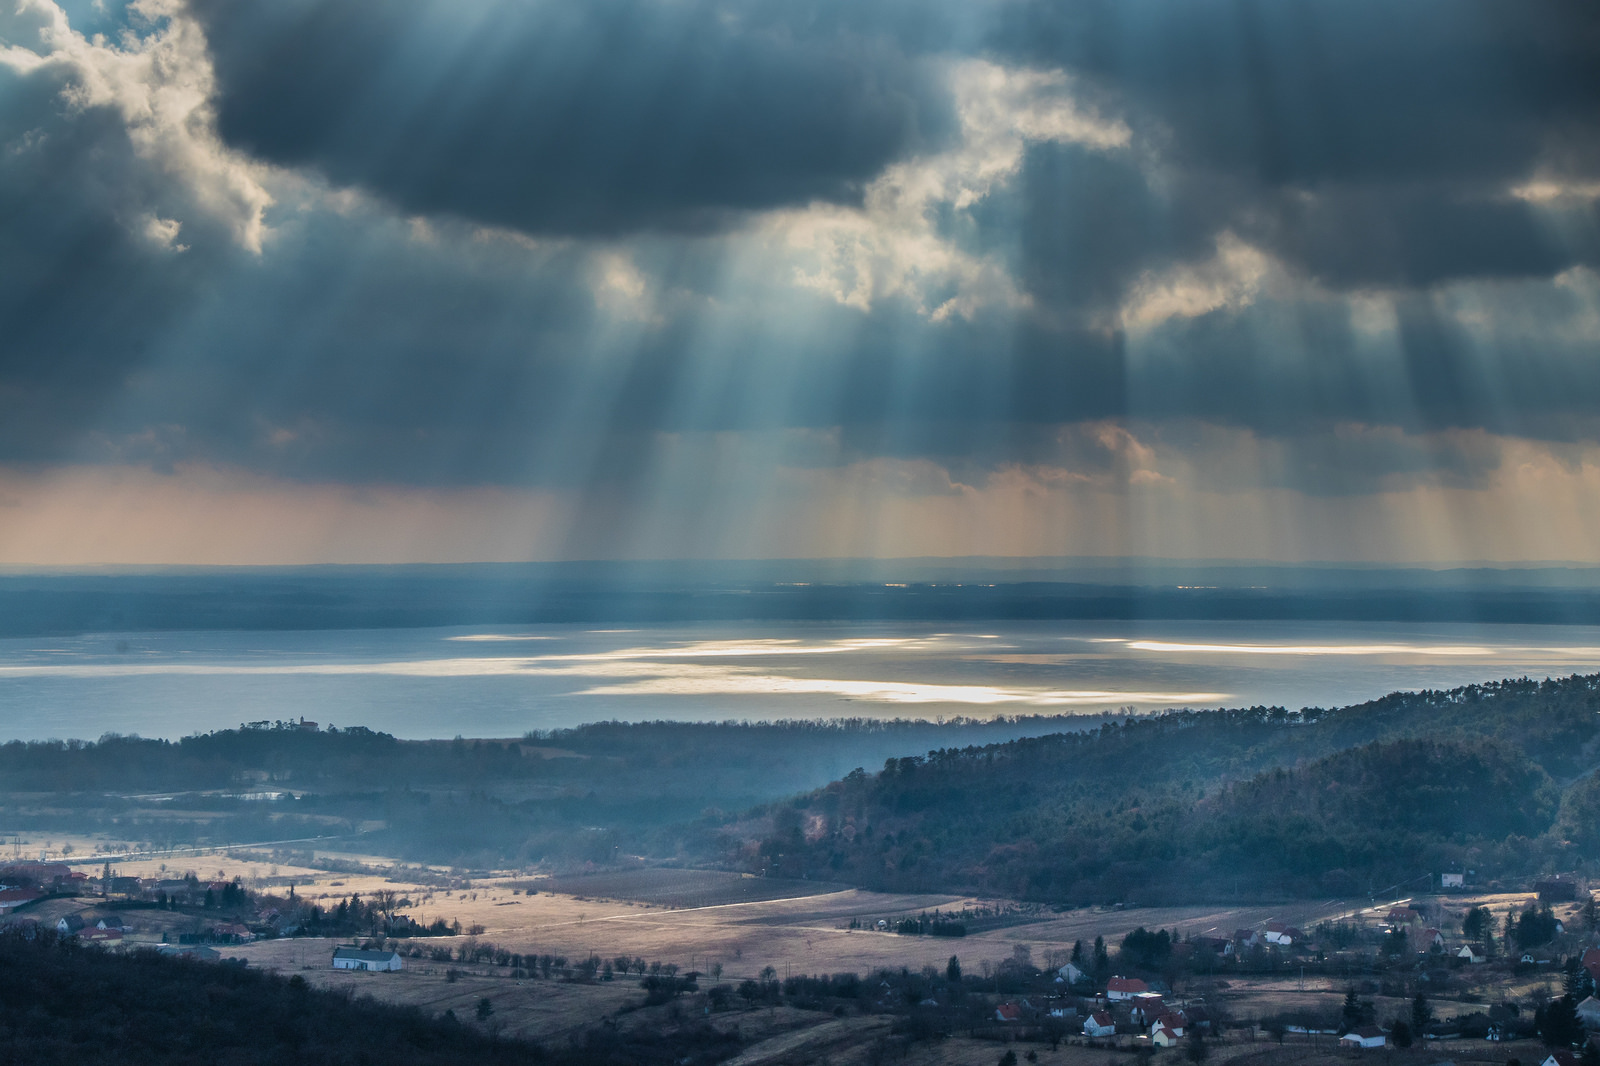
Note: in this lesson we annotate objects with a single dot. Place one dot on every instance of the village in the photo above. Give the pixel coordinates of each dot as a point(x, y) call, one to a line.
point(805, 970)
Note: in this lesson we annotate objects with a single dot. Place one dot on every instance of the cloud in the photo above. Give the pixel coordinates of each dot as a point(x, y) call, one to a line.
point(601, 117)
point(1361, 142)
point(831, 277)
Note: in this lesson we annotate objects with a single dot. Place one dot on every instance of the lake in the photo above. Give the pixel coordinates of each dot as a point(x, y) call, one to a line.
point(505, 681)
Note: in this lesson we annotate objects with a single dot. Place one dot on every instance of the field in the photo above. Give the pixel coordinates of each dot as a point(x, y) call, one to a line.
point(736, 925)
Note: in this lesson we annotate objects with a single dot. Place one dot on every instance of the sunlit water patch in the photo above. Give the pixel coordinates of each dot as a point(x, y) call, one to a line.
point(497, 682)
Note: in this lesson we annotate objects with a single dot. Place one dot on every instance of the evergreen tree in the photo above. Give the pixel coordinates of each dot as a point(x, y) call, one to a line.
point(1350, 1013)
point(1077, 951)
point(952, 971)
point(1421, 1015)
point(1559, 1026)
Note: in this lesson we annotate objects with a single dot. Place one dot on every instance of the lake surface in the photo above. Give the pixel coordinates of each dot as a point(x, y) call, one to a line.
point(502, 682)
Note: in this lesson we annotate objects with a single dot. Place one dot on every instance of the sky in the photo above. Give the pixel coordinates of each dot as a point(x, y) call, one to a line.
point(292, 281)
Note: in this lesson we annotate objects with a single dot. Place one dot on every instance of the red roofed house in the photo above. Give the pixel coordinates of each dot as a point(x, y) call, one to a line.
point(1431, 940)
point(1591, 962)
point(1099, 1024)
point(101, 936)
point(12, 898)
point(1147, 1007)
point(1164, 1037)
point(1404, 916)
point(1170, 1019)
point(1120, 988)
point(1008, 1012)
point(1281, 933)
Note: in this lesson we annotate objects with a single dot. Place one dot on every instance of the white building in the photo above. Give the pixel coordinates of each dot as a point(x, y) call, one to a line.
point(357, 959)
point(1367, 1036)
point(1099, 1024)
point(1452, 880)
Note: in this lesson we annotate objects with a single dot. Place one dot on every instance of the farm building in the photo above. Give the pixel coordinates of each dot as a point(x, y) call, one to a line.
point(1368, 1036)
point(357, 959)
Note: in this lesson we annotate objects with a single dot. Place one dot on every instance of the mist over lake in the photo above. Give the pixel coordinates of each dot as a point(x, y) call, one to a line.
point(508, 680)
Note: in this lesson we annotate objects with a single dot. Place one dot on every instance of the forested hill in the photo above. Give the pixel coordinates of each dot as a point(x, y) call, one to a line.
point(1258, 803)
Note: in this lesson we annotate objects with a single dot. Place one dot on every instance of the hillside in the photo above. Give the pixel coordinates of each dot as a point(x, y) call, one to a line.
point(1258, 803)
point(64, 1002)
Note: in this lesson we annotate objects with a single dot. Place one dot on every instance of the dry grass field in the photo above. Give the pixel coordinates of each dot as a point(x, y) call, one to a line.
point(701, 919)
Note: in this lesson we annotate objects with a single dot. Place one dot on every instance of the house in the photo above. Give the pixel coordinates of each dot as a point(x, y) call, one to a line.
point(1591, 962)
point(1472, 953)
point(232, 933)
point(110, 921)
point(191, 951)
point(357, 959)
point(1164, 1037)
point(1403, 916)
point(69, 925)
point(12, 898)
point(1216, 944)
point(1452, 880)
point(1146, 1007)
point(1071, 974)
point(1556, 890)
point(1008, 1012)
point(1170, 1019)
point(1561, 1058)
point(1430, 940)
point(1281, 934)
point(1244, 939)
point(1368, 1036)
point(1099, 1024)
point(103, 937)
point(1121, 988)
point(1589, 1013)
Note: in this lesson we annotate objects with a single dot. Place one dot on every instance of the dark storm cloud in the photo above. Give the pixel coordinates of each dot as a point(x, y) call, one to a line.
point(1366, 143)
point(83, 287)
point(356, 348)
point(595, 117)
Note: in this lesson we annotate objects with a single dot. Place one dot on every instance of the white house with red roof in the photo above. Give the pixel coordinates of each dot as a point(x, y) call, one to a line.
point(1008, 1012)
point(1164, 1037)
point(1282, 934)
point(1099, 1024)
point(12, 898)
point(1122, 988)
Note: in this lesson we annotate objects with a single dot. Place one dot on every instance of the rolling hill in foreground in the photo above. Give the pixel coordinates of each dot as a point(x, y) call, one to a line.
point(1497, 779)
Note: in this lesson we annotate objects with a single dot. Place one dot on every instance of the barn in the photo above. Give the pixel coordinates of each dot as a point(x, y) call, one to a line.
point(358, 959)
